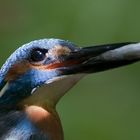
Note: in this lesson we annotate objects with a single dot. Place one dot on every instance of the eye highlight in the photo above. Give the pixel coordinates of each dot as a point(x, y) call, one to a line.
point(38, 55)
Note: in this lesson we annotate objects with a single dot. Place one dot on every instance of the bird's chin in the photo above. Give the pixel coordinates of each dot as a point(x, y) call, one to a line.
point(52, 90)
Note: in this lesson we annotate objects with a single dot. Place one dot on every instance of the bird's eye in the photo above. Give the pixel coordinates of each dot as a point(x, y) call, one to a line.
point(38, 55)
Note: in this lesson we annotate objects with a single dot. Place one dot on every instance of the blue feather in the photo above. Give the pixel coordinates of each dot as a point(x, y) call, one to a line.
point(16, 125)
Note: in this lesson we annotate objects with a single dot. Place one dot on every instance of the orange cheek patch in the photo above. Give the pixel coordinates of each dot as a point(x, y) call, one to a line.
point(17, 70)
point(22, 67)
point(55, 65)
point(62, 64)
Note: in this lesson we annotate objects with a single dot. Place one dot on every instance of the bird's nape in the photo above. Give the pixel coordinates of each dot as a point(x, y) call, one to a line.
point(39, 73)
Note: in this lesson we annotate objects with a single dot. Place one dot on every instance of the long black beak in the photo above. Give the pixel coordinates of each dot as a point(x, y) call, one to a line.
point(101, 58)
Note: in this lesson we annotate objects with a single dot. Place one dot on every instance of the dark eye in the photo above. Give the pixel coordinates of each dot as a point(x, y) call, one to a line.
point(38, 55)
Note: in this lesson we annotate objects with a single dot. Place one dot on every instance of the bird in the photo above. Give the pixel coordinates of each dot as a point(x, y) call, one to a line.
point(35, 77)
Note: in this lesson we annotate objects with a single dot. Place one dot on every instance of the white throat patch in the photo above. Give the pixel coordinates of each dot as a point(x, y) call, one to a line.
point(53, 90)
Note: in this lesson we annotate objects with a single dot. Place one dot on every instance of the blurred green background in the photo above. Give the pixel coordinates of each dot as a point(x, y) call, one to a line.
point(103, 106)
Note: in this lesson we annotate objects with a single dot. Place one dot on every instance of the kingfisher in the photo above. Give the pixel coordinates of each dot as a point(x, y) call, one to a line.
point(39, 73)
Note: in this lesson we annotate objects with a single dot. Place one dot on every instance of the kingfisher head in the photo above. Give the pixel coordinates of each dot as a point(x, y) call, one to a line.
point(42, 71)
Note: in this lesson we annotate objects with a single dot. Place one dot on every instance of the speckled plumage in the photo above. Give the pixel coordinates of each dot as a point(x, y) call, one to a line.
point(19, 56)
point(21, 87)
point(39, 73)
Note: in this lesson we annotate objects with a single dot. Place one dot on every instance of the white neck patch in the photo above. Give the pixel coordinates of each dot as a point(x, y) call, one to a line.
point(53, 90)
